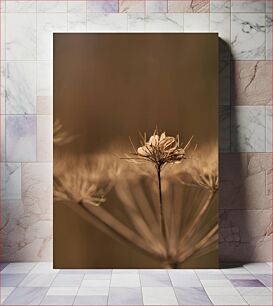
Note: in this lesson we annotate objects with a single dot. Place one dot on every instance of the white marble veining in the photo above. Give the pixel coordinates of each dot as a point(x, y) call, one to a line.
point(159, 295)
point(153, 6)
point(58, 6)
point(106, 22)
point(77, 6)
point(3, 86)
point(220, 23)
point(220, 6)
point(136, 22)
point(196, 22)
point(159, 22)
point(20, 87)
point(12, 181)
point(26, 6)
point(268, 128)
point(248, 6)
point(20, 36)
point(102, 6)
point(20, 138)
point(268, 23)
point(47, 23)
point(248, 129)
point(3, 138)
point(44, 138)
point(248, 36)
point(44, 78)
point(128, 6)
point(77, 22)
point(3, 36)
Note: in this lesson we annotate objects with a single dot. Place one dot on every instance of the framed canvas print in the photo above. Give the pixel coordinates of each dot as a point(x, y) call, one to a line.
point(135, 150)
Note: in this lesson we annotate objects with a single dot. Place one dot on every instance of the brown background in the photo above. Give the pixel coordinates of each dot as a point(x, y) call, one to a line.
point(108, 87)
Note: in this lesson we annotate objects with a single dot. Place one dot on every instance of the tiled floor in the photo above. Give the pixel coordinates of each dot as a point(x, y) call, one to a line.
point(39, 284)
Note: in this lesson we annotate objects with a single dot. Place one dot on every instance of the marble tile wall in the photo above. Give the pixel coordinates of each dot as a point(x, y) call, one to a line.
point(245, 111)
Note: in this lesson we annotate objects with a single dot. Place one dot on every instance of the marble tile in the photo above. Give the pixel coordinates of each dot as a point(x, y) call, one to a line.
point(77, 6)
point(253, 291)
point(243, 181)
point(21, 6)
point(62, 291)
point(269, 6)
point(246, 283)
point(236, 271)
point(258, 299)
point(216, 283)
point(20, 138)
point(47, 23)
point(118, 272)
point(100, 22)
point(159, 22)
point(20, 88)
point(268, 128)
point(159, 6)
point(90, 300)
point(245, 235)
point(3, 6)
point(198, 22)
point(131, 6)
point(220, 6)
point(93, 291)
point(185, 281)
point(58, 300)
point(21, 36)
point(44, 78)
point(77, 22)
point(3, 265)
point(248, 6)
point(240, 276)
point(44, 268)
point(213, 291)
point(102, 6)
point(248, 36)
point(188, 6)
point(5, 292)
point(96, 283)
point(97, 276)
point(44, 105)
point(18, 268)
point(268, 23)
point(251, 83)
point(67, 280)
point(26, 296)
point(38, 280)
point(220, 23)
point(125, 296)
point(74, 271)
point(11, 280)
point(258, 268)
point(227, 300)
point(57, 6)
point(248, 129)
point(224, 125)
point(125, 280)
point(192, 296)
point(159, 296)
point(3, 36)
point(266, 279)
point(154, 280)
point(3, 87)
point(44, 138)
point(12, 175)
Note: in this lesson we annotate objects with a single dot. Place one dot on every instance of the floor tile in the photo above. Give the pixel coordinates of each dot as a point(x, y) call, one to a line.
point(62, 291)
point(254, 291)
point(258, 268)
point(246, 283)
point(11, 280)
point(44, 267)
point(97, 276)
point(155, 280)
point(192, 296)
point(258, 299)
point(3, 265)
point(125, 296)
point(125, 271)
point(216, 283)
point(221, 291)
point(67, 280)
point(73, 271)
point(227, 300)
point(26, 296)
point(266, 279)
point(5, 292)
point(90, 300)
point(159, 296)
point(37, 280)
point(125, 280)
point(96, 283)
point(185, 282)
point(240, 276)
point(93, 291)
point(99, 271)
point(58, 300)
point(235, 271)
point(16, 268)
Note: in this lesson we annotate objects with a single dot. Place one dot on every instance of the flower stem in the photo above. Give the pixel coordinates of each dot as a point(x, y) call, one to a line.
point(162, 219)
